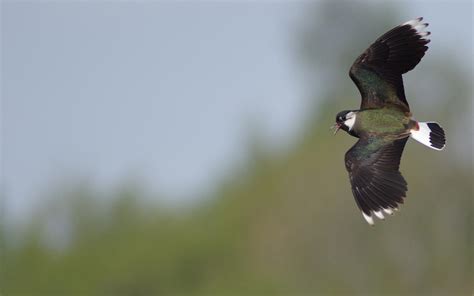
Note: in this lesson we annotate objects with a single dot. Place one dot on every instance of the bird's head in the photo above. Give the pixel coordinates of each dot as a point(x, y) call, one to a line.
point(345, 120)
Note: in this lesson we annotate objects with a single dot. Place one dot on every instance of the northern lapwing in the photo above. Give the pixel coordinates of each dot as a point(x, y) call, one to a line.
point(384, 122)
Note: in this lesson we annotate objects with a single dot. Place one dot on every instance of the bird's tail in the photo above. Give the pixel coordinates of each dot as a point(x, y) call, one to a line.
point(429, 134)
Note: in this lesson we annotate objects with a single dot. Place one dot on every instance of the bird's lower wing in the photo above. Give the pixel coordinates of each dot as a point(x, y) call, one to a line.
point(377, 184)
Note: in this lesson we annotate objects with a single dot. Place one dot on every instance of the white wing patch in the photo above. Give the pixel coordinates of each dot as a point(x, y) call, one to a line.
point(367, 218)
point(419, 27)
point(378, 214)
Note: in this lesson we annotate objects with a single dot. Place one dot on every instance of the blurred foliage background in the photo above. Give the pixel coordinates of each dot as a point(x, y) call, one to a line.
point(285, 223)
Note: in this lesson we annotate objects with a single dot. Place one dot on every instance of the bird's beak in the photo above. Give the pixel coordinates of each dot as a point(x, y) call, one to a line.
point(336, 127)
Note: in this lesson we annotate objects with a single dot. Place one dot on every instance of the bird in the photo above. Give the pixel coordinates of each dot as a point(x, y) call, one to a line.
point(384, 121)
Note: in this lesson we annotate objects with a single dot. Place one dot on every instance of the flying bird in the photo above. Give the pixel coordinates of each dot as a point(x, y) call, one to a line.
point(384, 122)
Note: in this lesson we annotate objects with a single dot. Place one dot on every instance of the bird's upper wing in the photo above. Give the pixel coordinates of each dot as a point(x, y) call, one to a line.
point(377, 184)
point(378, 71)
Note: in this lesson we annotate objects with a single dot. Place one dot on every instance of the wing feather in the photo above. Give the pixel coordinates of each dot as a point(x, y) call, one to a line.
point(373, 166)
point(377, 72)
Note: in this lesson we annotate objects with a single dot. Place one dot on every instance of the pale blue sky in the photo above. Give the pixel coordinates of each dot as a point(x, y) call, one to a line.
point(160, 90)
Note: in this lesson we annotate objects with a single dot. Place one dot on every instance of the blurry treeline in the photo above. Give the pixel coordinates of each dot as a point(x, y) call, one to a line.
point(287, 223)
